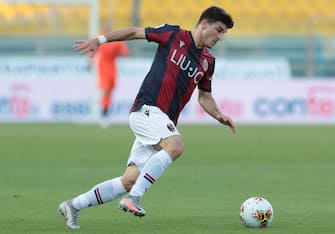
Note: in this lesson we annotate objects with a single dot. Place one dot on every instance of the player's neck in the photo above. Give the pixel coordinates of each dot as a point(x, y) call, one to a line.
point(196, 38)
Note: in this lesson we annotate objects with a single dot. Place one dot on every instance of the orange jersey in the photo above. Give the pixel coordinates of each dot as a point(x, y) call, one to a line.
point(105, 60)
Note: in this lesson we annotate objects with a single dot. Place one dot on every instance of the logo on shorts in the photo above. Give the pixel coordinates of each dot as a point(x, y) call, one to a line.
point(171, 127)
point(146, 112)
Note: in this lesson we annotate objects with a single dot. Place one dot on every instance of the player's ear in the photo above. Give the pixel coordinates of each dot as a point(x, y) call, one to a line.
point(204, 24)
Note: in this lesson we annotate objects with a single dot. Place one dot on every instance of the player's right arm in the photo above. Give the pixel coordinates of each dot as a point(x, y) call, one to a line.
point(90, 46)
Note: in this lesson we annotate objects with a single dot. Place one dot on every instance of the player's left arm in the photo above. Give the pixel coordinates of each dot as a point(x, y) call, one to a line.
point(208, 103)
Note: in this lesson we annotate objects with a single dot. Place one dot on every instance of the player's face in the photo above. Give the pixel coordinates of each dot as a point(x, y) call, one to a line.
point(212, 33)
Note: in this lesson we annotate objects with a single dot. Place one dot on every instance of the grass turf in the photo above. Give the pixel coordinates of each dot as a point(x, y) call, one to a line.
point(292, 166)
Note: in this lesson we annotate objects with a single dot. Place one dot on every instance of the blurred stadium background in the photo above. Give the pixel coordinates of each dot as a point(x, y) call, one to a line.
point(276, 66)
point(299, 34)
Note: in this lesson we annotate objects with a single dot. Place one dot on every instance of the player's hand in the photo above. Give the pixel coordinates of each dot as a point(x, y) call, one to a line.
point(226, 120)
point(88, 47)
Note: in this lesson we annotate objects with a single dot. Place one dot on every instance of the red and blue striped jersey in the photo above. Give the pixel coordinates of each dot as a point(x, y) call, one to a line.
point(178, 67)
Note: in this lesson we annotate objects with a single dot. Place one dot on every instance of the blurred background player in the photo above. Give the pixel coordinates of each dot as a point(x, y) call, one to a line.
point(106, 65)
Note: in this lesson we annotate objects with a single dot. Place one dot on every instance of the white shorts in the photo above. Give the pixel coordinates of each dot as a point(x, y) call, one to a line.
point(150, 125)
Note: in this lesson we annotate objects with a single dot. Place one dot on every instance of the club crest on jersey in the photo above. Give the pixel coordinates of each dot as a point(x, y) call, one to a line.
point(192, 72)
point(171, 127)
point(205, 65)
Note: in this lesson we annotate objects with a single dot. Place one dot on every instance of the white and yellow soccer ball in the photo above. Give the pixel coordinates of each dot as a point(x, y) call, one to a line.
point(256, 212)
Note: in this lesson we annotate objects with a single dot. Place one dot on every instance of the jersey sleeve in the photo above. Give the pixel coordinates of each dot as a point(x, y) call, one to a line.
point(160, 34)
point(205, 83)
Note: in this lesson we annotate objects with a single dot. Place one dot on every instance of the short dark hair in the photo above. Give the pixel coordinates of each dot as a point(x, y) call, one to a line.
point(214, 13)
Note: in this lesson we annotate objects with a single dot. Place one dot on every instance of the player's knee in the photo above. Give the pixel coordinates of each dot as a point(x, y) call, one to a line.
point(174, 146)
point(176, 149)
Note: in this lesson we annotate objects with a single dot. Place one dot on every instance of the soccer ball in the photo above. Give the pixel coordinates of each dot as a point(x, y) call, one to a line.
point(256, 212)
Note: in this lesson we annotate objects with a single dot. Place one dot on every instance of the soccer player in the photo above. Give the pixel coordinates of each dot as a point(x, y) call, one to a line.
point(105, 60)
point(182, 63)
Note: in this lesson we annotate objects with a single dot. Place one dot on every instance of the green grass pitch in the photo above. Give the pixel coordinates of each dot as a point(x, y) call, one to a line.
point(291, 166)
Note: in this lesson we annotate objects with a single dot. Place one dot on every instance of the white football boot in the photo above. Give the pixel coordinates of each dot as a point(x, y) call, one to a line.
point(70, 214)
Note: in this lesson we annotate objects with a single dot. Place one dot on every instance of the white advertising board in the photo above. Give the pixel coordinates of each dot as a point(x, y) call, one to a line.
point(277, 102)
point(63, 90)
point(133, 68)
point(273, 102)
